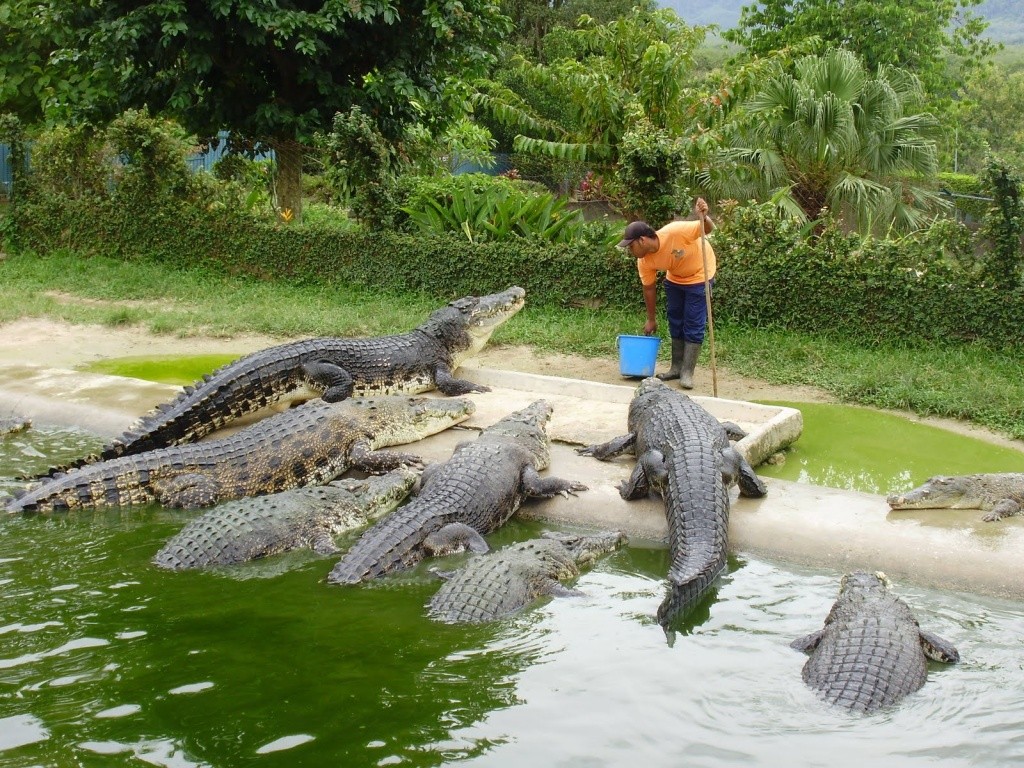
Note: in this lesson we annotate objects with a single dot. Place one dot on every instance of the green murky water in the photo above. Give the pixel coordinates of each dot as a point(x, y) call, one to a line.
point(866, 450)
point(106, 661)
point(170, 369)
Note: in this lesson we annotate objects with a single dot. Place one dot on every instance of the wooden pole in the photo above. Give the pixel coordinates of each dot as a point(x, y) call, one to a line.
point(707, 302)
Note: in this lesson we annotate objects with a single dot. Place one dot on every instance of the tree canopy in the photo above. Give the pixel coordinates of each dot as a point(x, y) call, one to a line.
point(831, 135)
point(917, 35)
point(272, 70)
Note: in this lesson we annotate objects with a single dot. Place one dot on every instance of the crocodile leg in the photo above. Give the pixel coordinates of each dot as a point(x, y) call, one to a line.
point(938, 649)
point(335, 382)
point(1005, 508)
point(737, 469)
point(363, 457)
point(649, 470)
point(611, 449)
point(450, 385)
point(547, 487)
point(188, 491)
point(809, 642)
point(454, 538)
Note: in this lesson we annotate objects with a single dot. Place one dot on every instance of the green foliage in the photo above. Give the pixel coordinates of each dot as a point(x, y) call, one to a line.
point(362, 165)
point(72, 161)
point(272, 73)
point(493, 211)
point(651, 167)
point(832, 137)
point(989, 119)
point(152, 154)
point(972, 189)
point(938, 40)
point(1004, 266)
point(635, 66)
point(921, 288)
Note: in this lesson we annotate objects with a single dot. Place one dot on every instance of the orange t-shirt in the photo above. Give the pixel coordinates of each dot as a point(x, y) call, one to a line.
point(679, 256)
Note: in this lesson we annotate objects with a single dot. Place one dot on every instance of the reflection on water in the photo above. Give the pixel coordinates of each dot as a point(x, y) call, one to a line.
point(106, 660)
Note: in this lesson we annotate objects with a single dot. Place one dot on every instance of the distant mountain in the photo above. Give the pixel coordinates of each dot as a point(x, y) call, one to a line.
point(1005, 17)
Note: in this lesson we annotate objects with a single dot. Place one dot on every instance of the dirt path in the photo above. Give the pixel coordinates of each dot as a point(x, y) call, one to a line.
point(61, 345)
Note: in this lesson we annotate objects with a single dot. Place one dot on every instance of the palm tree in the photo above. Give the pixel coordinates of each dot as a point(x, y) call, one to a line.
point(830, 135)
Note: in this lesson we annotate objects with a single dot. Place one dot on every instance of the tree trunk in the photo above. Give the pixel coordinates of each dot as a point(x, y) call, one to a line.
point(288, 181)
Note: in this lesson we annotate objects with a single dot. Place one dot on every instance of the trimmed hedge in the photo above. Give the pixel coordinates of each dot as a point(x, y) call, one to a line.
point(924, 287)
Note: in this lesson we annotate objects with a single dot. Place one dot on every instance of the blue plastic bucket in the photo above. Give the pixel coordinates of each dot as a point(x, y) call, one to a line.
point(637, 355)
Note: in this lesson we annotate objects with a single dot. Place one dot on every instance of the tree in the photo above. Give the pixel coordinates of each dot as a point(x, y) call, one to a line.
point(989, 118)
point(272, 70)
point(918, 35)
point(832, 136)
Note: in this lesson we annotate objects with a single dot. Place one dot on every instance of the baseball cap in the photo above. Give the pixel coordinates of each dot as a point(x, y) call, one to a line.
point(634, 231)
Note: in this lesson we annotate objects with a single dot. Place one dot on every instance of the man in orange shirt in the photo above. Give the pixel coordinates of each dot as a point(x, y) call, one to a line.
point(675, 249)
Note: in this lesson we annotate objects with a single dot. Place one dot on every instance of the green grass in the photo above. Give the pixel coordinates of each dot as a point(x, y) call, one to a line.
point(973, 383)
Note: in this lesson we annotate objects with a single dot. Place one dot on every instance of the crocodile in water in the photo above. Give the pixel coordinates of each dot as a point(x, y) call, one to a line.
point(871, 651)
point(496, 585)
point(248, 529)
point(471, 494)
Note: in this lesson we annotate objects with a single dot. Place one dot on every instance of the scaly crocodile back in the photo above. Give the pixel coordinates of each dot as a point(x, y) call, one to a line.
point(870, 654)
point(492, 586)
point(307, 445)
point(481, 486)
point(696, 497)
point(247, 529)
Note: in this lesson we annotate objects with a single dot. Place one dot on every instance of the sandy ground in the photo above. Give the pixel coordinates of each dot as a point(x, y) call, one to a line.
point(61, 345)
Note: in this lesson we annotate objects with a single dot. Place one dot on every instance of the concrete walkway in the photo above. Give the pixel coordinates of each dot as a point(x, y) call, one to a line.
point(809, 525)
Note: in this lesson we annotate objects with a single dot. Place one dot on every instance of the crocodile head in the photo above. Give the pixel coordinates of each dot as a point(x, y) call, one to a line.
point(396, 420)
point(529, 427)
point(466, 324)
point(940, 492)
point(862, 584)
point(586, 548)
point(379, 494)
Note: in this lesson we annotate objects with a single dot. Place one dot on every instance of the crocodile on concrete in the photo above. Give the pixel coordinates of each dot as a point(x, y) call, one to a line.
point(311, 517)
point(999, 494)
point(871, 651)
point(497, 585)
point(332, 368)
point(460, 500)
point(684, 454)
point(308, 445)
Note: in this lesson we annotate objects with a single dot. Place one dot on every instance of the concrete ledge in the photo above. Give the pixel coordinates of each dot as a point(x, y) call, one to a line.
point(810, 525)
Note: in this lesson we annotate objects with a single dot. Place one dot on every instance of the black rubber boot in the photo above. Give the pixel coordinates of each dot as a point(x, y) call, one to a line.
point(677, 362)
point(691, 352)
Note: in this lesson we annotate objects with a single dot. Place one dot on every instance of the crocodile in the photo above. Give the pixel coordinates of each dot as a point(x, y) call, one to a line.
point(1001, 494)
point(311, 516)
point(683, 453)
point(331, 367)
point(871, 651)
point(14, 424)
point(471, 494)
point(307, 445)
point(494, 586)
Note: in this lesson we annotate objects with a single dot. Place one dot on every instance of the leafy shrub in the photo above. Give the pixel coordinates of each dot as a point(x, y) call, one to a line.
point(494, 210)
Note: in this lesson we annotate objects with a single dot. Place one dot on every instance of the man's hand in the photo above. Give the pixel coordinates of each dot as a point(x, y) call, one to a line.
point(700, 207)
point(650, 328)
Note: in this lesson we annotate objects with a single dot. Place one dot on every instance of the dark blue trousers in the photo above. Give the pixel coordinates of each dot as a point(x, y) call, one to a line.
point(687, 311)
